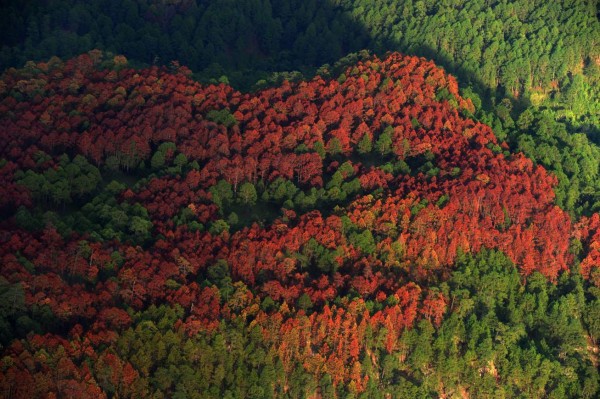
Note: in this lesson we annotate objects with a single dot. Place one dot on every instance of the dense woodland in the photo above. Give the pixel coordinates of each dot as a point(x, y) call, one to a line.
point(532, 68)
point(352, 237)
point(526, 47)
point(249, 203)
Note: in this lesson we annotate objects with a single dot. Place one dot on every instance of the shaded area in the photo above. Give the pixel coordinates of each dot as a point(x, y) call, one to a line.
point(518, 45)
point(245, 40)
point(511, 58)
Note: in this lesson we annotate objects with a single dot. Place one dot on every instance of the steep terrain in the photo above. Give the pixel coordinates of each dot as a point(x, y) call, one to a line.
point(351, 236)
point(531, 68)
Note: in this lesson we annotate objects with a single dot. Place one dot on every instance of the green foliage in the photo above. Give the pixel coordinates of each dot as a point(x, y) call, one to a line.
point(364, 241)
point(218, 226)
point(280, 190)
point(334, 147)
point(158, 160)
point(180, 161)
point(573, 158)
point(69, 181)
point(515, 45)
point(222, 117)
point(317, 258)
point(365, 145)
point(304, 302)
point(107, 219)
point(514, 50)
point(222, 194)
point(218, 274)
point(247, 194)
point(503, 335)
point(319, 148)
point(384, 142)
point(231, 362)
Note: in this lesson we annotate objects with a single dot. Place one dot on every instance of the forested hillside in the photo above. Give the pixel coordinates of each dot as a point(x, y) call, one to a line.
point(263, 199)
point(358, 236)
point(532, 68)
point(526, 47)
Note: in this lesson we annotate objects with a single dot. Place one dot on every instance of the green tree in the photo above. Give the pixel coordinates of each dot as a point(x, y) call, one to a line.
point(158, 160)
point(364, 241)
point(576, 95)
point(221, 194)
point(365, 145)
point(319, 148)
point(334, 147)
point(247, 194)
point(180, 161)
point(304, 302)
point(140, 227)
point(384, 142)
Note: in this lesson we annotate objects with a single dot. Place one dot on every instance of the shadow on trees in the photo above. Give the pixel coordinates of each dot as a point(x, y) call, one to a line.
point(249, 44)
point(239, 42)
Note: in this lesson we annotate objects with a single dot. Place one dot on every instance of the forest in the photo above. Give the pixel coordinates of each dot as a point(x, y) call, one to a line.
point(255, 199)
point(532, 68)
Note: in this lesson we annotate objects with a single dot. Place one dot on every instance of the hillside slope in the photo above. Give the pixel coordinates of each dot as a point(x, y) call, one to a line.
point(531, 68)
point(358, 236)
point(517, 44)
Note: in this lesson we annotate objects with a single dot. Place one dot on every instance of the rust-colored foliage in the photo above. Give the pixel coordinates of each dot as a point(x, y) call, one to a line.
point(416, 222)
